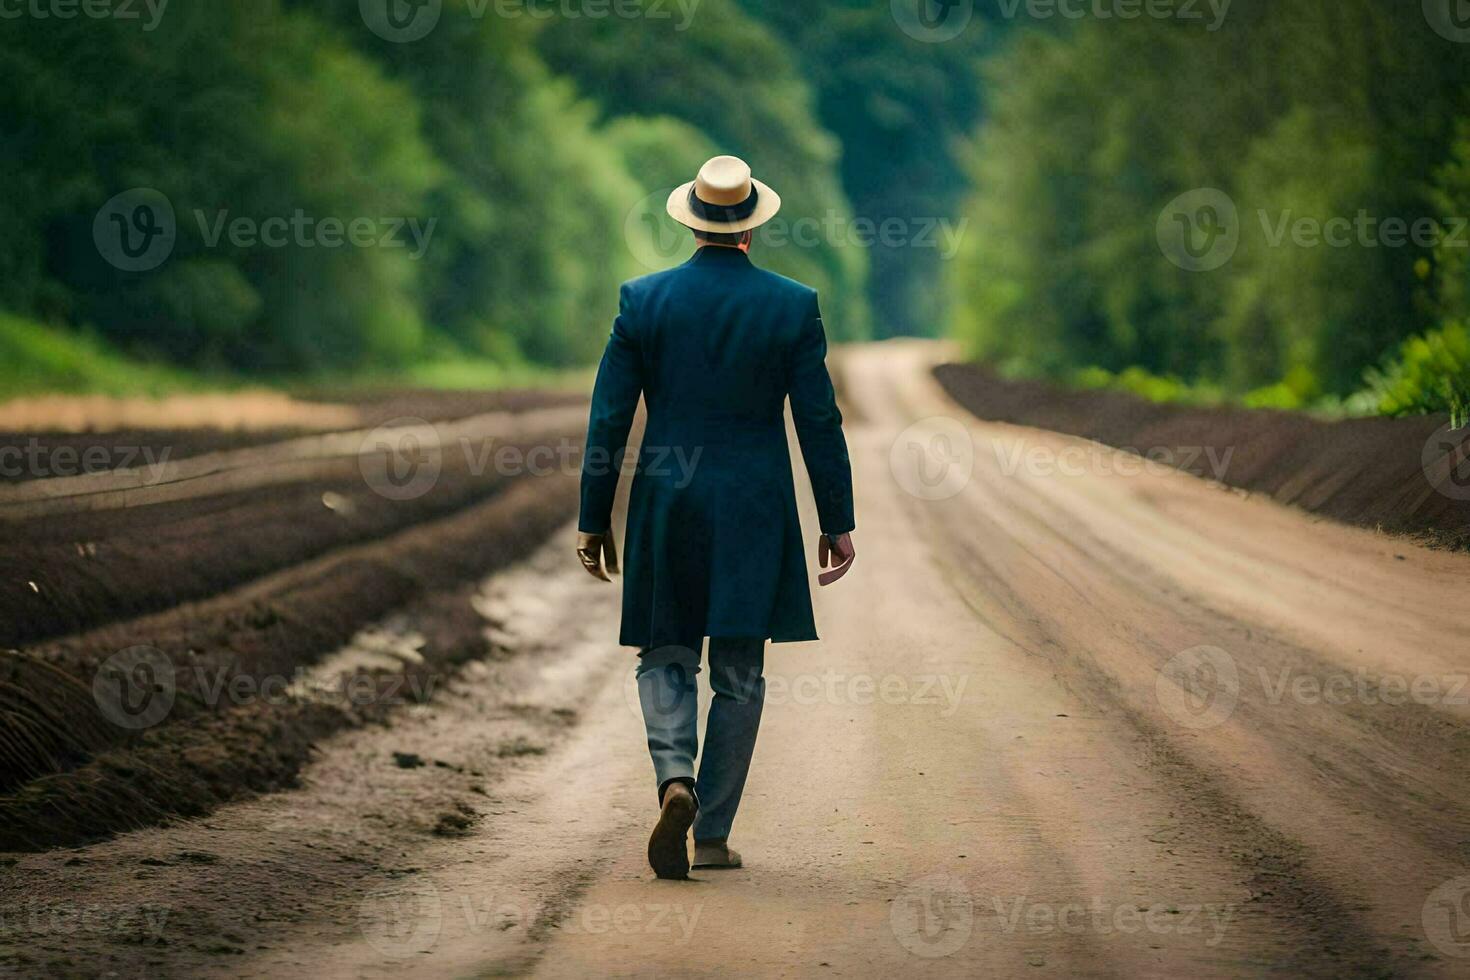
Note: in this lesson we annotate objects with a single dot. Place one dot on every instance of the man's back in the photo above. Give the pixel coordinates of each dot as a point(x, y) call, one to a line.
point(717, 334)
point(715, 347)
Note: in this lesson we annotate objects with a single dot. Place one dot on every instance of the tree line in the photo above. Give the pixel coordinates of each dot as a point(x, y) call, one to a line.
point(1272, 209)
point(507, 173)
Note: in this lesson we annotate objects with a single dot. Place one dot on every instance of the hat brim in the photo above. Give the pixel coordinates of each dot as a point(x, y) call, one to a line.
point(768, 202)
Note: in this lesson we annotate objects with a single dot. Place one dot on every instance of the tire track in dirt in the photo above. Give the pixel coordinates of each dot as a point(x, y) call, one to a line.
point(1351, 814)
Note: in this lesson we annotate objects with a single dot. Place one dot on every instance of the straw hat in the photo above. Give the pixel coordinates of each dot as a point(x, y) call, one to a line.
point(724, 197)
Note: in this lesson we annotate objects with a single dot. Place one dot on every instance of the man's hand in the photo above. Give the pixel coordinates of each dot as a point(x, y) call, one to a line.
point(598, 554)
point(839, 552)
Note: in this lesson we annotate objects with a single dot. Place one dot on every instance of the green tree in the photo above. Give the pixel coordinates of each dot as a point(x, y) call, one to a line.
point(256, 116)
point(1317, 109)
point(728, 75)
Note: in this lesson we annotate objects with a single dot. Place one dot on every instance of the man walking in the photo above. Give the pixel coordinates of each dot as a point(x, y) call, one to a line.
point(715, 347)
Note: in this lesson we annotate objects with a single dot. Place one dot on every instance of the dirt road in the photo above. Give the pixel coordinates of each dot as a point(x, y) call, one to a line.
point(1070, 716)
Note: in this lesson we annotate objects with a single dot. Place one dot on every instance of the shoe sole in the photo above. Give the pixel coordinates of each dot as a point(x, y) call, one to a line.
point(668, 847)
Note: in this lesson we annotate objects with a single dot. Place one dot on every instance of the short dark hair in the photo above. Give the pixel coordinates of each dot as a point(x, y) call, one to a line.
point(721, 237)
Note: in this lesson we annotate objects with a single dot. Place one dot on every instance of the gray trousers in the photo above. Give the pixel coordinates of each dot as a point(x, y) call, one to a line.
point(669, 694)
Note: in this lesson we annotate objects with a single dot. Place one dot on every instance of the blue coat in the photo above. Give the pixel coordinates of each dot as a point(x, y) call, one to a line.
point(713, 544)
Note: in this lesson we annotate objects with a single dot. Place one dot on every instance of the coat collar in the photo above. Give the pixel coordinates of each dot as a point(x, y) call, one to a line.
point(719, 255)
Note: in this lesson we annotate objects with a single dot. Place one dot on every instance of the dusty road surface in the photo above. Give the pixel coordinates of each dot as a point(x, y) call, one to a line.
point(1070, 716)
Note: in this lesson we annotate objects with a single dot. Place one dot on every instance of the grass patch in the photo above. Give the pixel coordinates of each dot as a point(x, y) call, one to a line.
point(471, 374)
point(37, 359)
point(1298, 392)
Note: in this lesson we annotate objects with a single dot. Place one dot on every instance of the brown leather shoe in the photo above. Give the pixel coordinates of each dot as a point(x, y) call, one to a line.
point(668, 847)
point(715, 854)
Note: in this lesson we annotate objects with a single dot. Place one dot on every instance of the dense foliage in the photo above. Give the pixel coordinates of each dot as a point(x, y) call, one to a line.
point(511, 165)
point(501, 204)
point(901, 108)
point(256, 114)
point(1335, 128)
point(1428, 374)
point(730, 78)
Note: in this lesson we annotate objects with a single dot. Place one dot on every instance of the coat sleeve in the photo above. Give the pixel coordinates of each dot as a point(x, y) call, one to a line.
point(614, 402)
point(819, 426)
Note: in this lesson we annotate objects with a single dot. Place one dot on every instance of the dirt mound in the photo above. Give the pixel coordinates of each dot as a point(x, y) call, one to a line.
point(1367, 472)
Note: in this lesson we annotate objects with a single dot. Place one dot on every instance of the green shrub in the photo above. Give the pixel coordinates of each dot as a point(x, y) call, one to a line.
point(1141, 383)
point(1429, 373)
point(36, 358)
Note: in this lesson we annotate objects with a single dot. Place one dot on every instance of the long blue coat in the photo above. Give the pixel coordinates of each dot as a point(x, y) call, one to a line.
point(713, 544)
